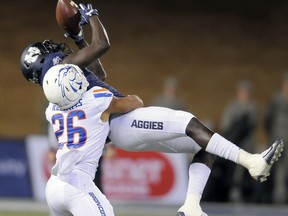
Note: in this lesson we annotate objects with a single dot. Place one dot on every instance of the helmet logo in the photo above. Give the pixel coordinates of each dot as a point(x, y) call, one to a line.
point(71, 83)
point(32, 55)
point(56, 60)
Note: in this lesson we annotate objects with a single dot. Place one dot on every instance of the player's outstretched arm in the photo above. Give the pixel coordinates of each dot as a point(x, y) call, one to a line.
point(96, 66)
point(99, 44)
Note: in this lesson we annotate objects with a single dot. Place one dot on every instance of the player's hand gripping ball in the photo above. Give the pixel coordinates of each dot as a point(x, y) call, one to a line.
point(68, 16)
point(86, 12)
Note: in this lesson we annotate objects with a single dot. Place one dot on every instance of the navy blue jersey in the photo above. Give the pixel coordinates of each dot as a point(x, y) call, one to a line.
point(56, 58)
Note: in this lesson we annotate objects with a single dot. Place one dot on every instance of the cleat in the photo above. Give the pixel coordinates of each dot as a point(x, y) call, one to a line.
point(270, 156)
point(180, 213)
point(191, 207)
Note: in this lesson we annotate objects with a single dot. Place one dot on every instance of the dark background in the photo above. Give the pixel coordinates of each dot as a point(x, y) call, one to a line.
point(209, 45)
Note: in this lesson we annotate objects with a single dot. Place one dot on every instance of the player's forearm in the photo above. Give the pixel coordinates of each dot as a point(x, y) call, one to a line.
point(125, 104)
point(132, 102)
point(100, 38)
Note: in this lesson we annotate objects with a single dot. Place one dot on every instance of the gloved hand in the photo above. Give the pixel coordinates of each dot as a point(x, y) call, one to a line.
point(77, 38)
point(86, 12)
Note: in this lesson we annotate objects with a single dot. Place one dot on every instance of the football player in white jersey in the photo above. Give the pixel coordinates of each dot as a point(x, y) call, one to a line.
point(80, 122)
point(151, 128)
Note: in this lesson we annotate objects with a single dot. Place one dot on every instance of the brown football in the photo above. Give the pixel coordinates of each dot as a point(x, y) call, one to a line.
point(68, 16)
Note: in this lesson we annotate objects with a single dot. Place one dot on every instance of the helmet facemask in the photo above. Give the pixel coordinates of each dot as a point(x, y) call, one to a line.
point(51, 46)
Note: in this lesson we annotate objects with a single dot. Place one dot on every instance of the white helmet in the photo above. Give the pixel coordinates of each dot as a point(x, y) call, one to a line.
point(64, 85)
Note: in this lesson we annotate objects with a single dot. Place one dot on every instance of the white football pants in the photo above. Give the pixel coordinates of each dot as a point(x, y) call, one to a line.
point(153, 129)
point(79, 197)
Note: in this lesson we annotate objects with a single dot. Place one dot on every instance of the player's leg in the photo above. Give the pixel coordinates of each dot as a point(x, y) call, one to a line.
point(200, 169)
point(258, 165)
point(199, 172)
point(91, 202)
point(155, 125)
point(88, 199)
point(176, 145)
point(76, 194)
point(54, 193)
point(153, 129)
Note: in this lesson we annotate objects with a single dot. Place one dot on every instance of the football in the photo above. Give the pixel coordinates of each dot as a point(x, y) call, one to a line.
point(68, 16)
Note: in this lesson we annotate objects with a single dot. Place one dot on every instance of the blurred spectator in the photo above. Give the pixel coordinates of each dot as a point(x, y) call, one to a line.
point(276, 127)
point(238, 124)
point(239, 118)
point(169, 96)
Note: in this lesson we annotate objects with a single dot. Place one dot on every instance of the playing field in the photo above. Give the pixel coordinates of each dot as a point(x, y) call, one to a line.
point(32, 208)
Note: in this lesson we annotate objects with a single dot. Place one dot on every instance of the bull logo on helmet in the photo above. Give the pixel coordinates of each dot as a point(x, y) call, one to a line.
point(70, 80)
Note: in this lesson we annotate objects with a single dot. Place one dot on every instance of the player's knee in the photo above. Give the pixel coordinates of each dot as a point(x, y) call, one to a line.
point(205, 158)
point(199, 132)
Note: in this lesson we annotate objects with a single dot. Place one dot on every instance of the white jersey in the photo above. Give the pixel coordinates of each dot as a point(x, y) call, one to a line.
point(80, 132)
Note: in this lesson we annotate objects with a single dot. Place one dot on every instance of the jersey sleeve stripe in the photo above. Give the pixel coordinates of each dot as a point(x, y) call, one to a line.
point(103, 92)
point(100, 90)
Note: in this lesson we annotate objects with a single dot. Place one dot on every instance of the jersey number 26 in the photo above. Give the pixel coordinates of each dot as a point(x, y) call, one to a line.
point(75, 136)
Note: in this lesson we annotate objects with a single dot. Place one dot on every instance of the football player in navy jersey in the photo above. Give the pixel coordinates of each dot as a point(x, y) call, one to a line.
point(181, 132)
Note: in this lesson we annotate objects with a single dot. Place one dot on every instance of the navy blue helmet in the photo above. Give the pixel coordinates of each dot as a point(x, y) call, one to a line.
point(33, 57)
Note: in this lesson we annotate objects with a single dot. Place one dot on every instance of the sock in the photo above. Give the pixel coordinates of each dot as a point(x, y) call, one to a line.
point(198, 176)
point(222, 147)
point(244, 159)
